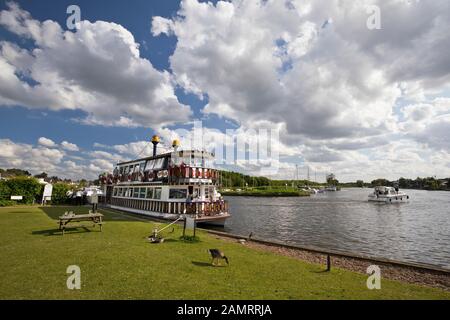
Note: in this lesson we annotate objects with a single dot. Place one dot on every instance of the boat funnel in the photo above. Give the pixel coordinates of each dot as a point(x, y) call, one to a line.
point(155, 141)
point(176, 144)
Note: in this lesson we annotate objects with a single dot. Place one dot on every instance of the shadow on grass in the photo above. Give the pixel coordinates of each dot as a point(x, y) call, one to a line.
point(322, 271)
point(57, 232)
point(57, 211)
point(201, 264)
point(161, 243)
point(207, 264)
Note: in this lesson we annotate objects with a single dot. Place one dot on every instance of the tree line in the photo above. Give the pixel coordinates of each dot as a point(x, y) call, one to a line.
point(428, 183)
point(231, 179)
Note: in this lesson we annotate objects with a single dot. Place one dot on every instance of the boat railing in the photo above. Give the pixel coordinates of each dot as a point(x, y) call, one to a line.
point(173, 174)
point(198, 208)
point(182, 174)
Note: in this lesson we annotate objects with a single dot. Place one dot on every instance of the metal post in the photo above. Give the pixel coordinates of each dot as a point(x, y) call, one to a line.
point(328, 263)
point(195, 226)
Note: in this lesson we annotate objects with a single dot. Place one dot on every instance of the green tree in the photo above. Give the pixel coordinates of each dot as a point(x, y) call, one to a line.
point(381, 182)
point(14, 172)
point(360, 183)
point(42, 175)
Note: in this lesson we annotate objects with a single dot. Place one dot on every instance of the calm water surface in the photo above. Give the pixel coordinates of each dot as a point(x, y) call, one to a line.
point(417, 231)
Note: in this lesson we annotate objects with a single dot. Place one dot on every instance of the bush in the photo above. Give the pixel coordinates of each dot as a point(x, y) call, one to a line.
point(7, 203)
point(59, 194)
point(27, 187)
point(5, 192)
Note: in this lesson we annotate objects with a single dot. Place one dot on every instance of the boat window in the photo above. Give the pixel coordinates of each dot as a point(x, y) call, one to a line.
point(166, 163)
point(157, 194)
point(177, 193)
point(149, 193)
point(198, 162)
point(136, 193)
point(120, 170)
point(142, 193)
point(206, 192)
point(128, 192)
point(159, 163)
point(186, 160)
point(136, 168)
point(115, 192)
point(176, 159)
point(196, 193)
point(149, 165)
point(120, 192)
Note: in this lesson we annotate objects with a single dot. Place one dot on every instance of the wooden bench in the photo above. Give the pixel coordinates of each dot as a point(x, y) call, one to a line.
point(70, 217)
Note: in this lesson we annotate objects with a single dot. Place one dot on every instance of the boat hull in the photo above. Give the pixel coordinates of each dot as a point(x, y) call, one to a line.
point(216, 220)
point(396, 199)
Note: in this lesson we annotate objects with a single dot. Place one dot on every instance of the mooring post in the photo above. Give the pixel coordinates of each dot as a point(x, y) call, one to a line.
point(328, 263)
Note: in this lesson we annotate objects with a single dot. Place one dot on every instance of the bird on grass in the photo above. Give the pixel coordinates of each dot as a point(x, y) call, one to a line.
point(217, 254)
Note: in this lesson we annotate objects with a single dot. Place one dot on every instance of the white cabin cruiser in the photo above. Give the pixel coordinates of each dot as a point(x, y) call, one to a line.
point(388, 195)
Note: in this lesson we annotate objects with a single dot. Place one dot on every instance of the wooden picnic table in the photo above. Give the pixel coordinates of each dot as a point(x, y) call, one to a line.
point(64, 220)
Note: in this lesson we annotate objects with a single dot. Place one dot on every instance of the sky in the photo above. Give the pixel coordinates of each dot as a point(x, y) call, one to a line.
point(341, 96)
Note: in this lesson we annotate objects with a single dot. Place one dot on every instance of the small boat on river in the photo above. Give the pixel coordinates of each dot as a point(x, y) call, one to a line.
point(388, 195)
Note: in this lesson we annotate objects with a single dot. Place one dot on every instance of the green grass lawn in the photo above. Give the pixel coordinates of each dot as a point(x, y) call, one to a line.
point(119, 263)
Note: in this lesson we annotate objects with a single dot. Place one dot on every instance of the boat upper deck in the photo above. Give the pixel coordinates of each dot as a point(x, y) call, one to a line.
point(176, 167)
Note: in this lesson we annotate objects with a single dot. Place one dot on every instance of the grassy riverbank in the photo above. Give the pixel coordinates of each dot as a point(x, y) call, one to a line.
point(118, 263)
point(265, 192)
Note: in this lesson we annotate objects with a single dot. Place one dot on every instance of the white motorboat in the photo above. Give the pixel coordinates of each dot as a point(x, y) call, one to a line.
point(90, 191)
point(388, 195)
point(310, 190)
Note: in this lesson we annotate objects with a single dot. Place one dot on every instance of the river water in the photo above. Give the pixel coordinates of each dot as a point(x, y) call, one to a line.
point(417, 231)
